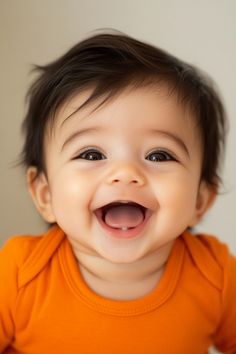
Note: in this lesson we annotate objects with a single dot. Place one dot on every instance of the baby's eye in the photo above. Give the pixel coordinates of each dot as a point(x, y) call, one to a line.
point(160, 156)
point(91, 155)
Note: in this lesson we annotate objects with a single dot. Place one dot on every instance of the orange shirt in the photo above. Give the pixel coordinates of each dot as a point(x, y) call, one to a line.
point(46, 307)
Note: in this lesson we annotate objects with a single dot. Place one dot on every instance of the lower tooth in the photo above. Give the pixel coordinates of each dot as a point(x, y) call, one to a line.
point(124, 228)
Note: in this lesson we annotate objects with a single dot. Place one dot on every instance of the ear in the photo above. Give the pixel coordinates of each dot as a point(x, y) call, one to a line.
point(205, 199)
point(40, 193)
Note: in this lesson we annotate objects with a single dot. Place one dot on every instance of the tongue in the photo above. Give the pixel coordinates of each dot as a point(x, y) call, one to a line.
point(123, 216)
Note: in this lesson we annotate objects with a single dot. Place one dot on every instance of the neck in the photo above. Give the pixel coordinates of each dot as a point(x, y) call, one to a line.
point(123, 281)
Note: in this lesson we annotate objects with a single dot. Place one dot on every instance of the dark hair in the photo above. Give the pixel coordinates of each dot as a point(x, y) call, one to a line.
point(108, 63)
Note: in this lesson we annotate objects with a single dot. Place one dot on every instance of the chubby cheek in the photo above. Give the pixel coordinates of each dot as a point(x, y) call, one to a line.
point(71, 195)
point(176, 196)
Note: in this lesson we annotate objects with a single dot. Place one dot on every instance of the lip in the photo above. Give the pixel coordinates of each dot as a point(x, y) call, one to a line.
point(123, 234)
point(132, 200)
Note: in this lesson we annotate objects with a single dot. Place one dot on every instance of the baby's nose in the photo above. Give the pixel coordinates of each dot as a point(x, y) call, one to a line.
point(126, 174)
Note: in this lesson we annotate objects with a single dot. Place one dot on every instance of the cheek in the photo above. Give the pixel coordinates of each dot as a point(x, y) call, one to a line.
point(71, 191)
point(177, 204)
point(176, 191)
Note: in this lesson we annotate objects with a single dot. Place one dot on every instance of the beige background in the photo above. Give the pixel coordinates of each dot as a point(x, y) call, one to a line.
point(202, 32)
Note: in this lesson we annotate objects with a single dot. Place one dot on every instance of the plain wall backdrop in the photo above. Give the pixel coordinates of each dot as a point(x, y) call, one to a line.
point(201, 32)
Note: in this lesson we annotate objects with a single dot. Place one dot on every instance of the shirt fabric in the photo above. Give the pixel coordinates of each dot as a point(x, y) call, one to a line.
point(46, 307)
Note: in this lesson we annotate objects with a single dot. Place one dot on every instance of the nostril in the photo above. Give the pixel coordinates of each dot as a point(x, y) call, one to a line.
point(117, 180)
point(124, 177)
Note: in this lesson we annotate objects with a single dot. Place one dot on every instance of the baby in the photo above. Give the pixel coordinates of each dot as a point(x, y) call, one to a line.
point(122, 149)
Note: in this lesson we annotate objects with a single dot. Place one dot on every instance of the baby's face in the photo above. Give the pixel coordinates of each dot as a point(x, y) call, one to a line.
point(141, 147)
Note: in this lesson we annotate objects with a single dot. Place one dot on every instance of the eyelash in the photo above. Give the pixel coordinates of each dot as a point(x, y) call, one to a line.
point(164, 156)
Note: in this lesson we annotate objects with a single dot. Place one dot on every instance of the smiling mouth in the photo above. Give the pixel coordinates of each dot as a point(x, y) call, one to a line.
point(123, 219)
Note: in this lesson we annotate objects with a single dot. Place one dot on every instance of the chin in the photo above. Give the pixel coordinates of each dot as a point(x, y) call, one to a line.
point(121, 257)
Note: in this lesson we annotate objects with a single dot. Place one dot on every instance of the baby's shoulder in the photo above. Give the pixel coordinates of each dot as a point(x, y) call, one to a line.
point(27, 255)
point(210, 255)
point(206, 245)
point(19, 247)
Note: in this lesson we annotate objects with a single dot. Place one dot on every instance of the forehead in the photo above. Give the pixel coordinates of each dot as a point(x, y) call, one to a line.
point(160, 97)
point(153, 107)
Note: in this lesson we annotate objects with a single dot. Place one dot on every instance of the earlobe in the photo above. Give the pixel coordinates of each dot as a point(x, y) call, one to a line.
point(40, 192)
point(205, 199)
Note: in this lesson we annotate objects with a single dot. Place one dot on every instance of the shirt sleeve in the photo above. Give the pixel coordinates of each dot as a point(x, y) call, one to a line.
point(8, 292)
point(225, 336)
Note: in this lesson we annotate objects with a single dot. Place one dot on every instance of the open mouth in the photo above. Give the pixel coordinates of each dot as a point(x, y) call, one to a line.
point(123, 218)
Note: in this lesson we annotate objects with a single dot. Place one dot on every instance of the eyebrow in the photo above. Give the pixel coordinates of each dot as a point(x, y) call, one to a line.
point(167, 134)
point(78, 134)
point(171, 136)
